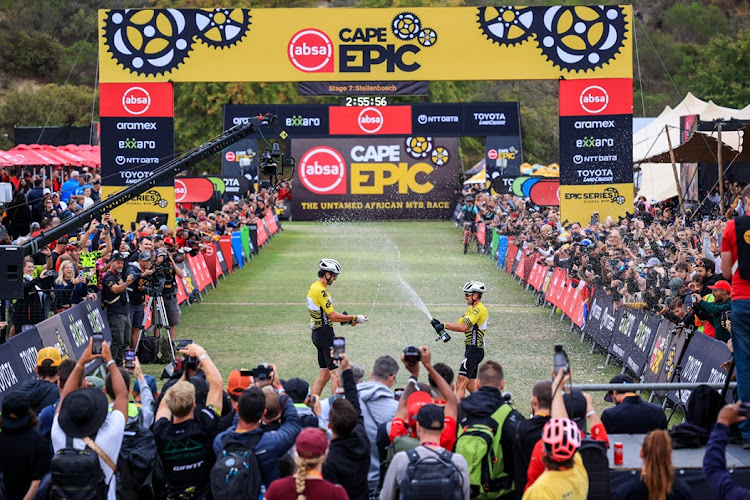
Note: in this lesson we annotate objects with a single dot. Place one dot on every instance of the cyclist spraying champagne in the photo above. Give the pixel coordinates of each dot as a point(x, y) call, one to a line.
point(322, 315)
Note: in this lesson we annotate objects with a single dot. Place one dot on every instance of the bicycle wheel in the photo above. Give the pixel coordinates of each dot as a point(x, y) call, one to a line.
point(467, 238)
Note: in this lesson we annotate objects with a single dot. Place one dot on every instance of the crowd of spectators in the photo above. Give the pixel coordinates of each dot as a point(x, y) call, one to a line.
point(656, 259)
point(72, 268)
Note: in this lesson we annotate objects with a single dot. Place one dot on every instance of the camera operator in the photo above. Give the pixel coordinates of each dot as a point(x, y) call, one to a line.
point(165, 268)
point(722, 292)
point(115, 302)
point(141, 273)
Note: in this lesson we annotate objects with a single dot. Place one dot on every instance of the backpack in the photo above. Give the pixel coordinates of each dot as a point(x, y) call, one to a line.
point(76, 474)
point(594, 455)
point(137, 462)
point(479, 444)
point(236, 474)
point(431, 477)
point(147, 349)
point(401, 443)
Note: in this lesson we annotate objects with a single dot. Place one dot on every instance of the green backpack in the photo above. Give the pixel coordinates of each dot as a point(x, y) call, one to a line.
point(479, 444)
point(401, 443)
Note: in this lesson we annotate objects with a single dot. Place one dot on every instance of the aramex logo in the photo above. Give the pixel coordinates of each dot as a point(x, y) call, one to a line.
point(594, 99)
point(370, 120)
point(136, 100)
point(311, 51)
point(322, 170)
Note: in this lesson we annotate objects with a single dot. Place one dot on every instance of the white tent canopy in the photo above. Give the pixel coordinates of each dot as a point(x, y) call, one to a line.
point(657, 179)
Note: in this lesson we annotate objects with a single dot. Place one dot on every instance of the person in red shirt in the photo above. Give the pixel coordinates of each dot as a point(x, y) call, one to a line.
point(414, 398)
point(735, 266)
point(307, 481)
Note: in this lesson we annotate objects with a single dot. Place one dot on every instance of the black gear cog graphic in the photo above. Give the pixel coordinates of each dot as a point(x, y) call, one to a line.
point(148, 42)
point(427, 37)
point(406, 26)
point(581, 38)
point(222, 27)
point(506, 25)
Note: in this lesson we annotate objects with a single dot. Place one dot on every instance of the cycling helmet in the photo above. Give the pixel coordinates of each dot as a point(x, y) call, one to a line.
point(474, 287)
point(561, 438)
point(330, 265)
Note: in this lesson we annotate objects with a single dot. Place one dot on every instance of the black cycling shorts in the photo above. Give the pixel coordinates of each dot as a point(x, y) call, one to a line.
point(322, 339)
point(473, 355)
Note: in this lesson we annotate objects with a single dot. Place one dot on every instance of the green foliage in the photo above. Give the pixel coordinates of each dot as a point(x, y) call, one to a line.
point(31, 54)
point(695, 23)
point(51, 104)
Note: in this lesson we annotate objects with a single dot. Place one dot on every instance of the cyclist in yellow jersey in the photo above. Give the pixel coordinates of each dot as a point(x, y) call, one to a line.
point(473, 324)
point(322, 317)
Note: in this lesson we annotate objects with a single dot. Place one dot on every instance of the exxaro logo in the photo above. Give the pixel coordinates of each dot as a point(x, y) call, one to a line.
point(311, 51)
point(300, 121)
point(134, 144)
point(594, 99)
point(136, 100)
point(322, 170)
point(591, 142)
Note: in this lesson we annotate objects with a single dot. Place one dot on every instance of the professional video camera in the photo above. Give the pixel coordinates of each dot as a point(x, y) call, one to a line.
point(272, 163)
point(262, 372)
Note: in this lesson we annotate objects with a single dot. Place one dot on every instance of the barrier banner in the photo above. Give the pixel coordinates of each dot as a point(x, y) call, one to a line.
point(271, 223)
point(247, 245)
point(223, 268)
point(517, 261)
point(510, 258)
point(493, 244)
point(633, 337)
point(225, 242)
point(602, 320)
point(261, 232)
point(82, 321)
point(344, 89)
point(502, 250)
point(181, 294)
point(370, 179)
point(209, 255)
point(193, 189)
point(18, 360)
point(654, 369)
point(700, 364)
point(238, 249)
point(188, 279)
point(375, 44)
point(198, 269)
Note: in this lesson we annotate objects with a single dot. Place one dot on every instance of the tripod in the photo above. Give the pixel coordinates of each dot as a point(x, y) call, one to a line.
point(158, 319)
point(680, 403)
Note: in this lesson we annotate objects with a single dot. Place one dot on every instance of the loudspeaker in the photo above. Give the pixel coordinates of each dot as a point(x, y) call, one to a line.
point(11, 272)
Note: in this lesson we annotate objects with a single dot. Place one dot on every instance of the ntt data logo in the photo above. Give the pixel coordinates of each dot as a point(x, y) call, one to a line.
point(136, 100)
point(311, 51)
point(323, 171)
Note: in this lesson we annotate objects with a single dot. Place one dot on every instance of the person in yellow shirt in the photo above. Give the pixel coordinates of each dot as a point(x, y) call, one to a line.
point(473, 325)
point(565, 477)
point(322, 317)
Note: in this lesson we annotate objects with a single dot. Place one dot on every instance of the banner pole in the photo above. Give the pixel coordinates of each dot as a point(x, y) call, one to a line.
point(674, 168)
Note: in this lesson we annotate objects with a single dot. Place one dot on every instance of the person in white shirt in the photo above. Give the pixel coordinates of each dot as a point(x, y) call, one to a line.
point(83, 413)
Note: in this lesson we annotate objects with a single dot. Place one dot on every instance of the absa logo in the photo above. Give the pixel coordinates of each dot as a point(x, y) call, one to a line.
point(323, 171)
point(311, 51)
point(370, 120)
point(492, 154)
point(594, 99)
point(136, 100)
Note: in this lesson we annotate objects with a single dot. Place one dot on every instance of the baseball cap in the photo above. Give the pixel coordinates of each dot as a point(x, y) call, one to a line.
point(674, 286)
point(431, 416)
point(50, 353)
point(150, 382)
point(169, 241)
point(722, 285)
point(116, 255)
point(144, 256)
point(653, 261)
point(46, 191)
point(236, 383)
point(161, 251)
point(416, 401)
point(620, 378)
point(297, 389)
point(15, 410)
point(312, 442)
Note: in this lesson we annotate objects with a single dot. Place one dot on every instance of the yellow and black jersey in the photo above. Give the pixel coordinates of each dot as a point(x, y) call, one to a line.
point(475, 318)
point(319, 304)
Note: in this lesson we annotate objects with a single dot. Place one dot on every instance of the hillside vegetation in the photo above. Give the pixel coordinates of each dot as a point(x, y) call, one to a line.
point(48, 61)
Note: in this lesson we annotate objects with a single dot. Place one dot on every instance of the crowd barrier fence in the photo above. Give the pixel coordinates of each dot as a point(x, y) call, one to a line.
point(70, 330)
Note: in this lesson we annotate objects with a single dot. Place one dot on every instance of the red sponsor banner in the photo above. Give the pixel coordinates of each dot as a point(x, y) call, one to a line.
point(510, 258)
point(181, 295)
point(209, 255)
point(371, 120)
point(262, 235)
point(200, 272)
point(192, 189)
point(225, 242)
point(480, 233)
point(596, 97)
point(273, 226)
point(138, 100)
point(311, 50)
point(544, 193)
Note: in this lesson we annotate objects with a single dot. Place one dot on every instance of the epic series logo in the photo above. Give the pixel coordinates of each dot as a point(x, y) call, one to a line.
point(311, 50)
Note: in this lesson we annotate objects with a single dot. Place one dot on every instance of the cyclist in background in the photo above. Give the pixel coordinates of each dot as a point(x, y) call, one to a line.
point(469, 213)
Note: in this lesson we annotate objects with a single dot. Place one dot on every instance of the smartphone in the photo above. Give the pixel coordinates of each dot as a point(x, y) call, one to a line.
point(561, 359)
point(132, 226)
point(744, 410)
point(397, 393)
point(96, 345)
point(339, 347)
point(129, 359)
point(705, 219)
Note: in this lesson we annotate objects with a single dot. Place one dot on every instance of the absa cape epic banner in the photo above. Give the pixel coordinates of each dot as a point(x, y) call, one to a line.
point(387, 178)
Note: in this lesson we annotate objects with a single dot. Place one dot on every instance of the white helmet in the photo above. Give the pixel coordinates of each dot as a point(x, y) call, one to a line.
point(474, 287)
point(330, 265)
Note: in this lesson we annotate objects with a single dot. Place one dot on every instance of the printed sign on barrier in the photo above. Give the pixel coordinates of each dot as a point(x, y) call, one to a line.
point(657, 358)
point(18, 360)
point(238, 249)
point(700, 364)
point(602, 320)
point(633, 337)
point(225, 242)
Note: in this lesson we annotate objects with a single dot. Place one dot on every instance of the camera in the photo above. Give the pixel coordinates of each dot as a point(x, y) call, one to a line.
point(412, 355)
point(561, 359)
point(189, 362)
point(262, 372)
